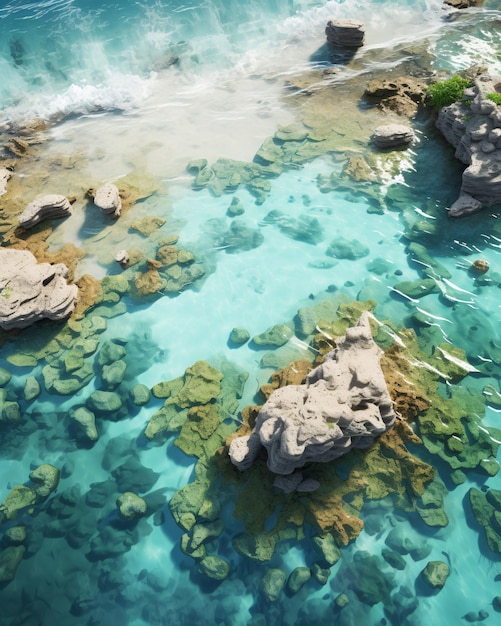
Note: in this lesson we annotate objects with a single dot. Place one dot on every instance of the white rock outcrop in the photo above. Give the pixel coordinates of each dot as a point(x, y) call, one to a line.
point(473, 127)
point(107, 198)
point(46, 207)
point(31, 291)
point(344, 404)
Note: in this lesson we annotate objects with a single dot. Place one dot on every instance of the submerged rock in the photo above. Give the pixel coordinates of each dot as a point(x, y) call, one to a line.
point(10, 558)
point(31, 291)
point(214, 567)
point(47, 207)
point(344, 404)
point(272, 583)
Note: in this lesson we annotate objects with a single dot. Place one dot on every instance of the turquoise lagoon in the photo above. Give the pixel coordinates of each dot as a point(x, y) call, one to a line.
point(119, 109)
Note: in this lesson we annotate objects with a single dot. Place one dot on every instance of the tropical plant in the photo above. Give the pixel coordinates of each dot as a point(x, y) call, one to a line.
point(495, 97)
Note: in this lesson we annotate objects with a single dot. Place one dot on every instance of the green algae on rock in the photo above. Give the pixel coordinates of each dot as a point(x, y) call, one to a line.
point(436, 573)
point(486, 508)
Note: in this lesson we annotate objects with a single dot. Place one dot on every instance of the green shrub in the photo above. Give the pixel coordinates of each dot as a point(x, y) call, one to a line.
point(495, 97)
point(445, 92)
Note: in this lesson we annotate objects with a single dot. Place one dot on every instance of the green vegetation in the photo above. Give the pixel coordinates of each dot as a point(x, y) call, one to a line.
point(443, 93)
point(495, 97)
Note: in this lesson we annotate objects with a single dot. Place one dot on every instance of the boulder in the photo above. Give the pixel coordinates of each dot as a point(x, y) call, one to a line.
point(10, 558)
point(31, 291)
point(272, 583)
point(85, 422)
point(47, 207)
point(214, 567)
point(122, 258)
point(392, 136)
point(131, 506)
point(345, 33)
point(107, 198)
point(472, 125)
point(297, 578)
point(344, 404)
point(239, 336)
point(435, 573)
point(46, 478)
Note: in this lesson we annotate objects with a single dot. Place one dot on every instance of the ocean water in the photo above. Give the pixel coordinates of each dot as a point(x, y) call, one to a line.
point(131, 92)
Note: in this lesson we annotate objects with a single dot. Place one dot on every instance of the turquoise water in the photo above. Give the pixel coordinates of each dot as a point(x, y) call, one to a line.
point(135, 90)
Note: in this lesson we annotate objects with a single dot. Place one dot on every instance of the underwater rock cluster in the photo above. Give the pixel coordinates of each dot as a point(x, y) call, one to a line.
point(343, 405)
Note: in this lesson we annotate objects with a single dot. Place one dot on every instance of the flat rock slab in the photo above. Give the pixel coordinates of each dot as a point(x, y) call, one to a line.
point(31, 291)
point(392, 136)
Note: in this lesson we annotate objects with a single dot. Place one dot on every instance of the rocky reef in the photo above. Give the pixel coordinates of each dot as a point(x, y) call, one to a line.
point(344, 404)
point(472, 126)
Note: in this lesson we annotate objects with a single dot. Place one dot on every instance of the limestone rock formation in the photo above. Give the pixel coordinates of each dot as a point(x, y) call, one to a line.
point(50, 206)
point(107, 198)
point(31, 291)
point(399, 94)
point(5, 174)
point(344, 404)
point(345, 33)
point(473, 127)
point(392, 136)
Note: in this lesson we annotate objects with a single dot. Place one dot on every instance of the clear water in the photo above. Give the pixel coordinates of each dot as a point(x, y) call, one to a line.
point(100, 72)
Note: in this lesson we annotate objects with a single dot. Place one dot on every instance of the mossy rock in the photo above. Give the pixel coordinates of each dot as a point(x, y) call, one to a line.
point(272, 584)
point(86, 423)
point(46, 478)
point(18, 499)
point(327, 548)
point(197, 553)
point(341, 248)
point(320, 573)
point(32, 389)
point(202, 384)
point(15, 535)
point(428, 265)
point(168, 388)
point(259, 548)
point(146, 226)
point(131, 506)
point(214, 567)
point(187, 502)
point(416, 288)
point(22, 360)
point(139, 395)
point(104, 401)
point(297, 578)
point(277, 335)
point(239, 336)
point(5, 377)
point(393, 559)
point(167, 420)
point(436, 573)
point(113, 374)
point(10, 558)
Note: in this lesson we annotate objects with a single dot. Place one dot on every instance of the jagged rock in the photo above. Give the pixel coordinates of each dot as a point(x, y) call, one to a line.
point(131, 506)
point(343, 404)
point(122, 258)
point(464, 205)
point(5, 175)
point(392, 136)
point(472, 126)
point(401, 95)
point(345, 33)
point(31, 291)
point(47, 207)
point(107, 198)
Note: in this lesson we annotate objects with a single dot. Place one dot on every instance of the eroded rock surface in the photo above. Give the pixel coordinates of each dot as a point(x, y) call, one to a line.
point(107, 198)
point(345, 33)
point(31, 291)
point(344, 404)
point(50, 206)
point(473, 127)
point(392, 136)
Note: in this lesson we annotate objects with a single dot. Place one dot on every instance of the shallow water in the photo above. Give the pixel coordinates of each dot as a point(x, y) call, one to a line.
point(121, 110)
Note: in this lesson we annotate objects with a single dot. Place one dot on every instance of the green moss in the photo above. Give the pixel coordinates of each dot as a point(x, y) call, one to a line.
point(443, 93)
point(495, 97)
